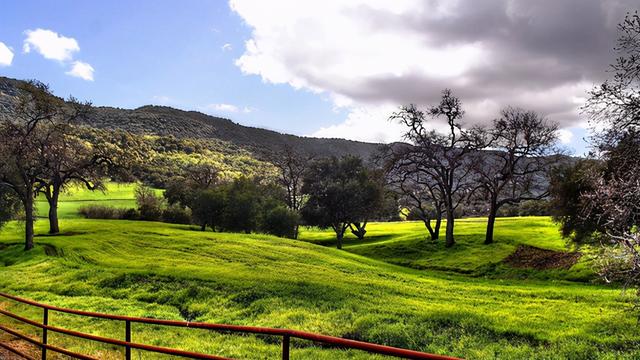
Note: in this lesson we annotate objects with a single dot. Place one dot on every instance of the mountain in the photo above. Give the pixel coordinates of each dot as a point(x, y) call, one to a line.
point(163, 120)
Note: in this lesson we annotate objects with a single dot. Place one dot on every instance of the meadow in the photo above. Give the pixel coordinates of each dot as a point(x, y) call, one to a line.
point(395, 288)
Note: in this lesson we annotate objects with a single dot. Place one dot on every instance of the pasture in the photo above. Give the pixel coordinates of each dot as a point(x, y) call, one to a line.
point(395, 288)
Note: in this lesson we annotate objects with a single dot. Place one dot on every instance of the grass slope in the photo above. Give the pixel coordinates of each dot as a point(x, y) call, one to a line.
point(174, 272)
point(408, 244)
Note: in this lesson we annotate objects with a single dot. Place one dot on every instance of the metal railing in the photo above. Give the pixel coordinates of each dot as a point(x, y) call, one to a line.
point(127, 344)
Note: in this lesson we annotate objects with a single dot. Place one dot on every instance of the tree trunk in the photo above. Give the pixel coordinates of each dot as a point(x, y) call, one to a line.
point(339, 229)
point(54, 227)
point(296, 229)
point(493, 210)
point(449, 240)
point(427, 224)
point(29, 218)
point(360, 230)
point(203, 227)
point(436, 229)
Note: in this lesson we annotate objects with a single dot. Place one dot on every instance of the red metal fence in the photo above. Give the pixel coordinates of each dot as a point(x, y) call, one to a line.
point(127, 344)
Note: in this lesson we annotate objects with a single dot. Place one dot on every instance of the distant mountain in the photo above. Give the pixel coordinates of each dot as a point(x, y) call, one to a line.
point(163, 120)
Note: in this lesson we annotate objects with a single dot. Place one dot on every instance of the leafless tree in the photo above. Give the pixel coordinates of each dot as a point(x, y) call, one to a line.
point(515, 168)
point(442, 157)
point(291, 166)
point(615, 196)
point(418, 191)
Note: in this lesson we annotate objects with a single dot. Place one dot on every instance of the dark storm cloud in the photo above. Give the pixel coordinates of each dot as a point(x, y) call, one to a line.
point(543, 55)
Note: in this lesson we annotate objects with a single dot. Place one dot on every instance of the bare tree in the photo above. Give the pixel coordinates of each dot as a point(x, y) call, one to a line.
point(418, 191)
point(515, 169)
point(614, 196)
point(291, 166)
point(442, 157)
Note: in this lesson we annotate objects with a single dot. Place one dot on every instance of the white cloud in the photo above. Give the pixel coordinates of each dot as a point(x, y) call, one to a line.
point(227, 47)
point(162, 99)
point(226, 108)
point(50, 44)
point(365, 124)
point(222, 108)
point(81, 70)
point(565, 136)
point(366, 55)
point(6, 55)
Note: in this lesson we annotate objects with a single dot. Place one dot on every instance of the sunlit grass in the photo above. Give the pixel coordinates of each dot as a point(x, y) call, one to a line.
point(176, 272)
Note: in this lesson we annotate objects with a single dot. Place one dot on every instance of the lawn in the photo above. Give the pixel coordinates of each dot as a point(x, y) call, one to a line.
point(119, 195)
point(363, 292)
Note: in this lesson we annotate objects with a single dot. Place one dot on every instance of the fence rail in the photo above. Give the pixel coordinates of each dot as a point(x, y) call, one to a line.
point(127, 344)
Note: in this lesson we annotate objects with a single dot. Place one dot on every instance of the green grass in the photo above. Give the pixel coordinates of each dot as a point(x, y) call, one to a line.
point(408, 244)
point(115, 194)
point(175, 272)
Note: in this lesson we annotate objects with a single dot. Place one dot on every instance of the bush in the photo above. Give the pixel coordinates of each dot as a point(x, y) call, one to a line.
point(280, 221)
point(149, 204)
point(100, 212)
point(130, 214)
point(176, 214)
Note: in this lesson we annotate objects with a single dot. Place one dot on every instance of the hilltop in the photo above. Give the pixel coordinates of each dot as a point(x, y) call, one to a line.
point(164, 121)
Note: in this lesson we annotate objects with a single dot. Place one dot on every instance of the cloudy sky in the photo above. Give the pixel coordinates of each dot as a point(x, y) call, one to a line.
point(324, 68)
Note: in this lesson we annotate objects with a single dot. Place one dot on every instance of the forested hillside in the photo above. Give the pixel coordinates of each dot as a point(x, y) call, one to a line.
point(166, 121)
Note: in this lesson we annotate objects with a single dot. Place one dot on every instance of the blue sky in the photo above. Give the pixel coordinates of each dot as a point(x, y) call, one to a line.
point(158, 52)
point(322, 68)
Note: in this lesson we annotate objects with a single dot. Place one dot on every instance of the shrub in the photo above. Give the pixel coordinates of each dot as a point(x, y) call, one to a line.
point(149, 204)
point(130, 214)
point(100, 212)
point(176, 214)
point(280, 221)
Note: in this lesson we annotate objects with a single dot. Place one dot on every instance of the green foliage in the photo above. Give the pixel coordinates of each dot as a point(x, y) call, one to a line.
point(208, 206)
point(10, 205)
point(101, 212)
point(242, 208)
point(280, 221)
point(149, 204)
point(568, 184)
point(176, 214)
point(340, 192)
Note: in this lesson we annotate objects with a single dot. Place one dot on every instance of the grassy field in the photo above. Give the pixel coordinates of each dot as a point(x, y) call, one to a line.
point(115, 194)
point(408, 244)
point(390, 289)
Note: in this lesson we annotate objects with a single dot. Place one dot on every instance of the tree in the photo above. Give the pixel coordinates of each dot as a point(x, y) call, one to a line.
point(369, 201)
point(291, 167)
point(441, 157)
point(207, 207)
point(418, 192)
point(24, 135)
point(568, 183)
point(243, 205)
point(340, 193)
point(615, 191)
point(149, 204)
point(9, 205)
point(71, 159)
point(515, 169)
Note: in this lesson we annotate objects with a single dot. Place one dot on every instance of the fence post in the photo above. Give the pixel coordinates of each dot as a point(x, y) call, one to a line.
point(285, 347)
point(45, 321)
point(127, 338)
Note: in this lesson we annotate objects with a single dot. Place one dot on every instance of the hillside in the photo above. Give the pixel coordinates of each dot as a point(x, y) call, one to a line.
point(162, 120)
point(479, 308)
point(263, 280)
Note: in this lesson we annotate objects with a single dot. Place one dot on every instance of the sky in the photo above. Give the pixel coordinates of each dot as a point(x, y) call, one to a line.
point(320, 68)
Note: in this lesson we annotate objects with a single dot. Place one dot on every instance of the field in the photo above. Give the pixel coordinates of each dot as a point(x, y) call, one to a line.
point(395, 288)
